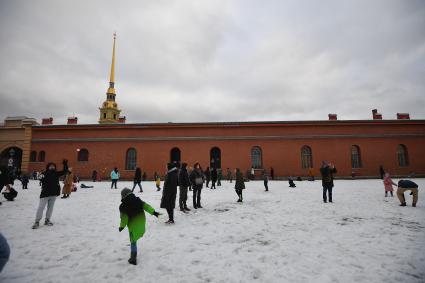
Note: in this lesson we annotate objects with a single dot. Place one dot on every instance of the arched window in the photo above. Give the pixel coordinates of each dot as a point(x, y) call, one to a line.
point(256, 157)
point(356, 160)
point(306, 157)
point(33, 156)
point(130, 159)
point(175, 155)
point(41, 156)
point(83, 155)
point(402, 156)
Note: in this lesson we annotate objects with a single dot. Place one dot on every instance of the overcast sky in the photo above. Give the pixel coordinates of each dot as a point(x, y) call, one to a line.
point(185, 61)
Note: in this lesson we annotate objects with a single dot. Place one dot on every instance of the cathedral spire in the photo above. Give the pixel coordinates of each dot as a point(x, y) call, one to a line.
point(112, 77)
point(111, 88)
point(109, 112)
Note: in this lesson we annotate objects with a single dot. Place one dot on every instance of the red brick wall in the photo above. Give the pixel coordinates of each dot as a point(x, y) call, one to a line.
point(281, 149)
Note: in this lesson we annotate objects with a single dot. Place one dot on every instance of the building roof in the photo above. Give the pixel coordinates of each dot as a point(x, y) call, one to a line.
point(237, 124)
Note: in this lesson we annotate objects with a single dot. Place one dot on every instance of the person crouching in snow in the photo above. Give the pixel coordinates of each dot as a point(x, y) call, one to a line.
point(239, 184)
point(68, 183)
point(10, 193)
point(50, 189)
point(407, 185)
point(388, 183)
point(132, 214)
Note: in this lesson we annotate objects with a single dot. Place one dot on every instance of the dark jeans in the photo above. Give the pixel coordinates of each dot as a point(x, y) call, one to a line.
point(239, 193)
point(196, 196)
point(266, 185)
point(327, 188)
point(213, 185)
point(137, 183)
point(170, 212)
point(218, 182)
point(183, 197)
point(208, 182)
point(114, 183)
point(24, 186)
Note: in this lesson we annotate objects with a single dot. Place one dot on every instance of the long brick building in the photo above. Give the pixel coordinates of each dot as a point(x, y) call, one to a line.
point(289, 147)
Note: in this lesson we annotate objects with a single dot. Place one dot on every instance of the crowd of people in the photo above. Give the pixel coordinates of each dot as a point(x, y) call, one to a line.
point(132, 208)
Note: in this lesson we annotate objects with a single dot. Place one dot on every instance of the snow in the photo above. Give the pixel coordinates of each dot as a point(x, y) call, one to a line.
point(284, 235)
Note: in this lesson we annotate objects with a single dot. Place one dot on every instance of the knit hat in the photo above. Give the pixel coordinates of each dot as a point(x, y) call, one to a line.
point(125, 192)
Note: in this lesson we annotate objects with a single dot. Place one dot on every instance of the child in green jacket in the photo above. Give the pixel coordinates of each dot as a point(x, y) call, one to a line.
point(132, 213)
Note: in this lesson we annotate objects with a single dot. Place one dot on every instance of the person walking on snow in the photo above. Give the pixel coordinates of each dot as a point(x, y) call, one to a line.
point(266, 181)
point(184, 183)
point(137, 179)
point(214, 176)
point(327, 171)
point(229, 175)
point(25, 180)
point(168, 200)
point(68, 183)
point(132, 215)
point(50, 189)
point(388, 184)
point(197, 181)
point(94, 175)
point(239, 184)
point(157, 182)
point(207, 174)
point(115, 175)
point(219, 176)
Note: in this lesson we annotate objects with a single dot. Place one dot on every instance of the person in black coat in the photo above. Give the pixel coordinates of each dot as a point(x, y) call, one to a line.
point(94, 175)
point(197, 180)
point(137, 179)
point(169, 192)
point(207, 174)
point(25, 180)
point(272, 173)
point(184, 184)
point(327, 171)
point(381, 172)
point(4, 177)
point(214, 175)
point(10, 194)
point(291, 182)
point(239, 184)
point(50, 189)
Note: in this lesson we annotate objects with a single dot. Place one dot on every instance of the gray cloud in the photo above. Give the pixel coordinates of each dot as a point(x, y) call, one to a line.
point(213, 60)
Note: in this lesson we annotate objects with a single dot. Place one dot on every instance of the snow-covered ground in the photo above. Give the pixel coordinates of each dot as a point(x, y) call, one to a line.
point(284, 235)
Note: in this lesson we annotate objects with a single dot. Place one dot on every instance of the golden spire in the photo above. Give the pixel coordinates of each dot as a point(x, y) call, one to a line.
point(111, 88)
point(112, 78)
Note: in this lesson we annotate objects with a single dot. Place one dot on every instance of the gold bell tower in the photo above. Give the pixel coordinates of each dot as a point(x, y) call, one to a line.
point(109, 112)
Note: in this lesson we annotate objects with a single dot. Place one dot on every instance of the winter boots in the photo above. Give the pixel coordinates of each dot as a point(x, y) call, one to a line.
point(36, 224)
point(403, 204)
point(133, 258)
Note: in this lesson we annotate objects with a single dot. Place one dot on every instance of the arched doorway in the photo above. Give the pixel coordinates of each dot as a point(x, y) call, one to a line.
point(12, 158)
point(175, 155)
point(215, 158)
